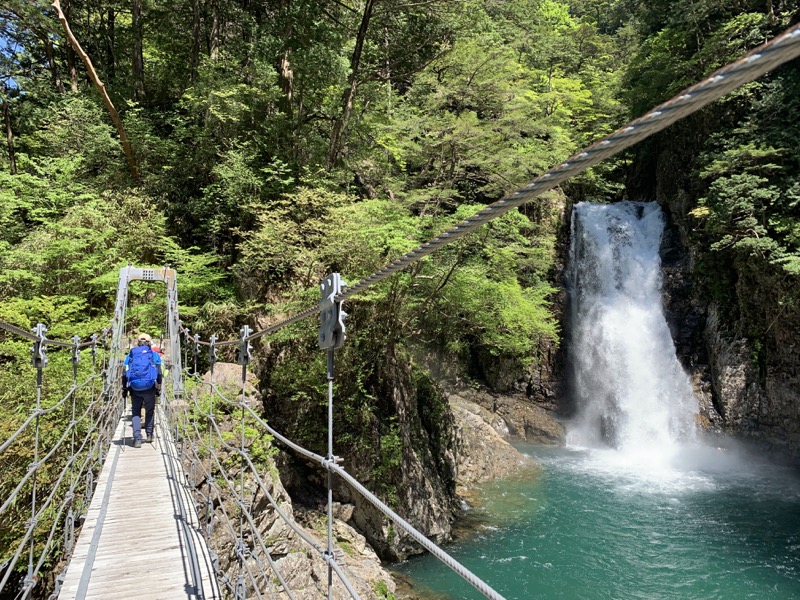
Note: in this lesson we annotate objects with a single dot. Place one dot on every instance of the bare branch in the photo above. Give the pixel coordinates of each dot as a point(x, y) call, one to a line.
point(123, 137)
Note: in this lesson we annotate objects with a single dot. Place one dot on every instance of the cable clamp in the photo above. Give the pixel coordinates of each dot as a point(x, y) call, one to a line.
point(245, 349)
point(330, 461)
point(76, 351)
point(331, 315)
point(242, 551)
point(39, 348)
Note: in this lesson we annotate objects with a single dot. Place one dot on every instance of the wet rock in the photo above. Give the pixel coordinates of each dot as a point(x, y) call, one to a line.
point(483, 452)
point(515, 417)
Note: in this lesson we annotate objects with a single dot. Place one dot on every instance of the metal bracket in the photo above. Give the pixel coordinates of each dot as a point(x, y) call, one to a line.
point(245, 349)
point(331, 315)
point(76, 354)
point(213, 357)
point(196, 350)
point(39, 348)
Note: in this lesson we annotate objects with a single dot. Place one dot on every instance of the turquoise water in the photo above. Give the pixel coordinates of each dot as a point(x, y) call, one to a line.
point(706, 523)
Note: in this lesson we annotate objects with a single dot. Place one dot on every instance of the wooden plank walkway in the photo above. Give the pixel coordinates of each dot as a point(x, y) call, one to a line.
point(141, 535)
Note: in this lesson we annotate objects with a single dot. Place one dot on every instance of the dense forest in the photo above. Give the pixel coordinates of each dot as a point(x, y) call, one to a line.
point(258, 145)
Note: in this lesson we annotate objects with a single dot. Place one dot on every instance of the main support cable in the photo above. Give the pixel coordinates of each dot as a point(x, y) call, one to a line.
point(48, 342)
point(755, 63)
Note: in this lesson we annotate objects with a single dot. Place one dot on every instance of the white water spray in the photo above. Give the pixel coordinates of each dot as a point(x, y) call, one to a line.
point(630, 390)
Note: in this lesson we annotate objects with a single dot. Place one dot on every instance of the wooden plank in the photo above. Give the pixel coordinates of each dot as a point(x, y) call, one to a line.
point(137, 528)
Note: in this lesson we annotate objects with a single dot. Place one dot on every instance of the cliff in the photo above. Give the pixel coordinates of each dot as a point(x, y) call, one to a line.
point(735, 321)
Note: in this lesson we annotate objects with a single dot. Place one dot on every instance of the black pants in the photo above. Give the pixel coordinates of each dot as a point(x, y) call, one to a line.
point(144, 399)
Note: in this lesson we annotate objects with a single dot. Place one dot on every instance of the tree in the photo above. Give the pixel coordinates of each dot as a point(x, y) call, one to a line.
point(112, 111)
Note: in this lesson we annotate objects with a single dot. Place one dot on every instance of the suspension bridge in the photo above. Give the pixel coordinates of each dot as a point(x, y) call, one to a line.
point(92, 517)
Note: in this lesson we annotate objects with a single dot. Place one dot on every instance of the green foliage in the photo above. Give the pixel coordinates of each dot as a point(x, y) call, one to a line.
point(382, 590)
point(737, 157)
point(752, 204)
point(257, 442)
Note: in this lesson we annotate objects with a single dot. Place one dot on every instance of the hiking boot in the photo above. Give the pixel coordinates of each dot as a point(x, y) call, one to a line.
point(149, 439)
point(137, 443)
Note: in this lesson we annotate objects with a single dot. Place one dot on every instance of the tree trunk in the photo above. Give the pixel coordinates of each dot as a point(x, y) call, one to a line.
point(286, 82)
point(138, 57)
point(51, 61)
point(213, 45)
point(111, 61)
point(12, 158)
point(348, 97)
point(284, 66)
point(123, 137)
point(194, 58)
point(71, 67)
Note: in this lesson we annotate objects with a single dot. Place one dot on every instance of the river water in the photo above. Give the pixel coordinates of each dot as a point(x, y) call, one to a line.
point(636, 506)
point(595, 525)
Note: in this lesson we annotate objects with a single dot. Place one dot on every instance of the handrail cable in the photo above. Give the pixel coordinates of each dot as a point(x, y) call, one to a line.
point(67, 500)
point(46, 504)
point(29, 531)
point(262, 486)
point(37, 464)
point(388, 512)
point(42, 411)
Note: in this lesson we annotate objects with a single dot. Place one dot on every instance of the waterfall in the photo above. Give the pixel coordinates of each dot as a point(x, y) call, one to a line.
point(630, 391)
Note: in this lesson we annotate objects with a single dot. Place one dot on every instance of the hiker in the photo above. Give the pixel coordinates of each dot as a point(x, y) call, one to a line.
point(165, 364)
point(141, 376)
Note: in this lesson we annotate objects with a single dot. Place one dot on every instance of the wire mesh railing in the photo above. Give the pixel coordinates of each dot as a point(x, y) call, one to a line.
point(52, 456)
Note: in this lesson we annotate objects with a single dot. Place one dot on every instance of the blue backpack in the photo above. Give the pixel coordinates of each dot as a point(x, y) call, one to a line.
point(142, 372)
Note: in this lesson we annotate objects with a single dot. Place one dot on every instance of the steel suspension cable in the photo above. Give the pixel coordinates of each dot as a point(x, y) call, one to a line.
point(253, 527)
point(443, 556)
point(755, 63)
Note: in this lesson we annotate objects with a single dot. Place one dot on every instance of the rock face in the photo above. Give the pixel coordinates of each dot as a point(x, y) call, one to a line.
point(406, 458)
point(741, 345)
point(483, 452)
point(513, 417)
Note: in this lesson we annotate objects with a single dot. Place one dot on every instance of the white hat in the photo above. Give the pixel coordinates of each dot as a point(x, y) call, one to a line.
point(145, 339)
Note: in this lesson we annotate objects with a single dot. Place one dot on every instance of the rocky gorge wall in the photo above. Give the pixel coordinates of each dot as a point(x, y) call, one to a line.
point(736, 327)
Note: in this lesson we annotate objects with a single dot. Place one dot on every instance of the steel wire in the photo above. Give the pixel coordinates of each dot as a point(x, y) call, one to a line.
point(232, 488)
point(755, 63)
point(34, 467)
point(331, 465)
point(26, 334)
point(331, 561)
point(45, 505)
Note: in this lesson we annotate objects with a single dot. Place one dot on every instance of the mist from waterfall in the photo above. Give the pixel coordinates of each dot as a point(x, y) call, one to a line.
point(630, 390)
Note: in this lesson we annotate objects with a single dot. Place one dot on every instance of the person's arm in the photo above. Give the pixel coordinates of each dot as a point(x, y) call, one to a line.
point(125, 376)
point(159, 377)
